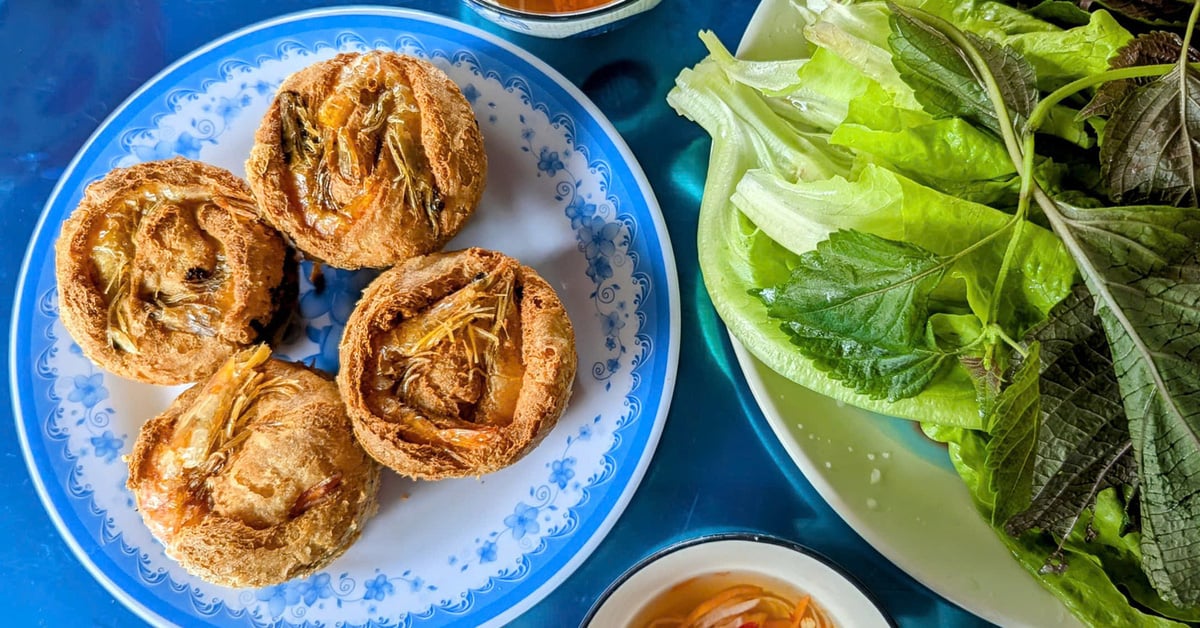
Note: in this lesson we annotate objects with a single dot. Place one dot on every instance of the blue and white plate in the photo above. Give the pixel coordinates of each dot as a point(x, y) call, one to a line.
point(564, 195)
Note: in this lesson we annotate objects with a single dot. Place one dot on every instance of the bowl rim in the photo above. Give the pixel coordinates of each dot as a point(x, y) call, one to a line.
point(494, 5)
point(754, 537)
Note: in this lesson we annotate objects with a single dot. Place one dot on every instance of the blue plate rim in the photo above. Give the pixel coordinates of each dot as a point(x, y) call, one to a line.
point(21, 321)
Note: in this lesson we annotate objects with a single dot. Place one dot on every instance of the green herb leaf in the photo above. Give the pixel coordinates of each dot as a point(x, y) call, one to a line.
point(1141, 266)
point(1130, 242)
point(1104, 564)
point(1156, 343)
point(869, 369)
point(1083, 443)
point(1147, 49)
point(1151, 150)
point(858, 285)
point(881, 202)
point(988, 378)
point(1013, 425)
point(946, 83)
point(859, 304)
point(1156, 12)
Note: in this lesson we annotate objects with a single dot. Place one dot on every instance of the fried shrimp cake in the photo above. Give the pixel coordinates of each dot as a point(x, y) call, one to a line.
point(165, 270)
point(368, 159)
point(456, 364)
point(253, 477)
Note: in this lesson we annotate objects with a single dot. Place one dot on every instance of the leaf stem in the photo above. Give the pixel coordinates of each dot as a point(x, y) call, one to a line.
point(1016, 346)
point(1042, 110)
point(1022, 159)
point(1183, 78)
point(1187, 36)
point(1010, 252)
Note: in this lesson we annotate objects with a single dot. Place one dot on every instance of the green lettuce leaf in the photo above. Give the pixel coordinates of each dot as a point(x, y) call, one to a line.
point(799, 215)
point(771, 78)
point(994, 20)
point(812, 91)
point(737, 257)
point(1063, 56)
point(1058, 56)
point(947, 154)
point(858, 34)
point(828, 85)
point(708, 96)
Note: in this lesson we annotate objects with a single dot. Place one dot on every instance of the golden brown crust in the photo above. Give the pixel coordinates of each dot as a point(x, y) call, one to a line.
point(257, 528)
point(169, 241)
point(388, 230)
point(547, 353)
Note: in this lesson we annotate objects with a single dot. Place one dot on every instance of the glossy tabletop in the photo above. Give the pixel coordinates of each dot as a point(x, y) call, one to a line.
point(66, 64)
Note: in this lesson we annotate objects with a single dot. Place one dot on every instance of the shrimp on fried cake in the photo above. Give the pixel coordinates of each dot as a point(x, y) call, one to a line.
point(253, 477)
point(165, 270)
point(456, 364)
point(367, 159)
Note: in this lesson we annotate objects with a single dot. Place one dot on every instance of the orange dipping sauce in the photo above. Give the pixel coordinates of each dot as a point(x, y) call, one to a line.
point(554, 7)
point(699, 600)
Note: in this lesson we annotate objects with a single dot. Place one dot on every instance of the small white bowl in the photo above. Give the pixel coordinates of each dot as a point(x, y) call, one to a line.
point(844, 600)
point(583, 23)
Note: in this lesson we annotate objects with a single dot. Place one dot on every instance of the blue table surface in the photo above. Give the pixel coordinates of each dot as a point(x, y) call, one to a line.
point(69, 63)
